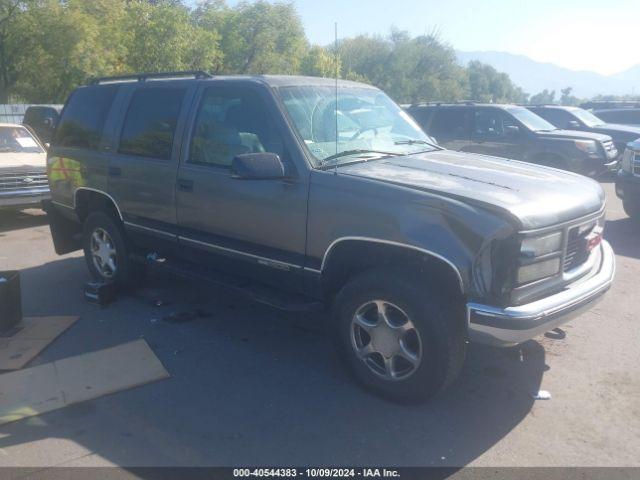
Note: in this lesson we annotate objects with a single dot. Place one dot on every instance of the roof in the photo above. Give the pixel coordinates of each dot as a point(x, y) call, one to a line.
point(271, 80)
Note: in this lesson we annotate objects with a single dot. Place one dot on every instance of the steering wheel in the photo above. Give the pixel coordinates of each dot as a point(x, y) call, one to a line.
point(362, 130)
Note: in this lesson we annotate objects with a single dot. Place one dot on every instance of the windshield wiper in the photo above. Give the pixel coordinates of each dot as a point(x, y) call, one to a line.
point(346, 153)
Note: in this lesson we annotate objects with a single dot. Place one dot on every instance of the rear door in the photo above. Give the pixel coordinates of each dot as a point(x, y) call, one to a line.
point(144, 157)
point(253, 227)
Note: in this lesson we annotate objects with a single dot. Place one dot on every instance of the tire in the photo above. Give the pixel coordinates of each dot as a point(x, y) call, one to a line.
point(102, 235)
point(632, 209)
point(434, 335)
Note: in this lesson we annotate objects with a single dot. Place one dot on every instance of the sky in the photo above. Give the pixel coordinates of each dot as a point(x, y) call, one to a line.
point(595, 35)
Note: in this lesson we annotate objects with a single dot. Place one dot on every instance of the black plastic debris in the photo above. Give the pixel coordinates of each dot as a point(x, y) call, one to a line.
point(100, 293)
point(10, 300)
point(182, 317)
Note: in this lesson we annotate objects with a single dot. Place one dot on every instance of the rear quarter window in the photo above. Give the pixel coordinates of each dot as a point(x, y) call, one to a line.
point(451, 123)
point(84, 116)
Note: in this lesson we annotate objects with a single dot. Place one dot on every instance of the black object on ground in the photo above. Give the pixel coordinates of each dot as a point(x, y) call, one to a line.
point(100, 293)
point(10, 300)
point(182, 317)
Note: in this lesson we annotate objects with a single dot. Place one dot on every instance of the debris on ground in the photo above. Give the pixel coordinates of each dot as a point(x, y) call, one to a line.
point(542, 395)
point(556, 334)
point(100, 293)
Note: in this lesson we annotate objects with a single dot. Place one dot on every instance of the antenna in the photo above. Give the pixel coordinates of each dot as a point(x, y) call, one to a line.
point(337, 73)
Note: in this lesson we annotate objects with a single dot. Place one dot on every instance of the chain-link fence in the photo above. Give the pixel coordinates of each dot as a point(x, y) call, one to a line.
point(13, 113)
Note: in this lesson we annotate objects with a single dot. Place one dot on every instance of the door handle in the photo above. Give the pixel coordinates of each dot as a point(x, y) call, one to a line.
point(115, 171)
point(185, 185)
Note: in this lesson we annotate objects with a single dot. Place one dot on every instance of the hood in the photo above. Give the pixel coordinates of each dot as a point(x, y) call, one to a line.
point(574, 134)
point(536, 196)
point(613, 128)
point(20, 161)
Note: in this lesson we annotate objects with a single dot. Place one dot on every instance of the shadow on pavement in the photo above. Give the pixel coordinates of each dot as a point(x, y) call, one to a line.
point(254, 386)
point(624, 236)
point(19, 219)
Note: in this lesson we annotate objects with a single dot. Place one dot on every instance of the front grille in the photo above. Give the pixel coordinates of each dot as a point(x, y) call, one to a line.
point(18, 181)
point(577, 252)
point(635, 164)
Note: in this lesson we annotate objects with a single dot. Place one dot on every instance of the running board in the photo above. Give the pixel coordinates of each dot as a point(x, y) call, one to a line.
point(256, 291)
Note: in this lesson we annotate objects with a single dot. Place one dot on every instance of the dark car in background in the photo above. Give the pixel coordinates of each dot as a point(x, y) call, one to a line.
point(575, 118)
point(628, 180)
point(624, 116)
point(511, 131)
point(42, 120)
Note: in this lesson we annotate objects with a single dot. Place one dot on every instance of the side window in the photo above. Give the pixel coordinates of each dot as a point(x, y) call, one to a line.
point(492, 123)
point(421, 115)
point(229, 122)
point(559, 118)
point(84, 116)
point(150, 123)
point(450, 123)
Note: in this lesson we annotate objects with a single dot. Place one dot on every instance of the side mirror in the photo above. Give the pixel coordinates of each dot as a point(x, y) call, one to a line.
point(258, 166)
point(512, 130)
point(573, 124)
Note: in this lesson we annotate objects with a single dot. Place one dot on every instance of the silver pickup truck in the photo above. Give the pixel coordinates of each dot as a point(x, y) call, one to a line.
point(23, 168)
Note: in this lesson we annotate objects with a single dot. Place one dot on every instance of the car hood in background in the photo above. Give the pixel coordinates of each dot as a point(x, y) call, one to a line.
point(536, 196)
point(13, 161)
point(614, 128)
point(574, 134)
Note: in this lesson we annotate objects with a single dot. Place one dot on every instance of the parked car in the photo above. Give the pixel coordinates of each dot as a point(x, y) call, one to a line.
point(574, 118)
point(308, 199)
point(628, 180)
point(23, 168)
point(622, 116)
point(511, 131)
point(42, 119)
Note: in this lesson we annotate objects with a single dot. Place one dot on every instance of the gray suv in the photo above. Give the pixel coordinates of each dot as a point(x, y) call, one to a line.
point(305, 197)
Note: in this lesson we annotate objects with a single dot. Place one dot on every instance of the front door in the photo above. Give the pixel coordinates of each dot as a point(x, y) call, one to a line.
point(496, 133)
point(254, 227)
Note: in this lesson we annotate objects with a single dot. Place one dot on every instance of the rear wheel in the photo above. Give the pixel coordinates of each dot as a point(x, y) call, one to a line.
point(107, 251)
point(399, 337)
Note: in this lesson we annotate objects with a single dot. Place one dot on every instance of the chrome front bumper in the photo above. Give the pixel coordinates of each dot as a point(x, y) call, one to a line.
point(513, 325)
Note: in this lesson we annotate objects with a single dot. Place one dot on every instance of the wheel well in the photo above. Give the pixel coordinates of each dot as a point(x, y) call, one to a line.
point(88, 201)
point(350, 257)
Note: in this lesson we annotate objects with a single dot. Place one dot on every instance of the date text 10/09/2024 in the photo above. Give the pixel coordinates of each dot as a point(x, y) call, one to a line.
point(316, 472)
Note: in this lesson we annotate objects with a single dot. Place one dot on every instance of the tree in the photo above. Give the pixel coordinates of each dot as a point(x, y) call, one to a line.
point(486, 84)
point(544, 97)
point(320, 62)
point(10, 42)
point(567, 98)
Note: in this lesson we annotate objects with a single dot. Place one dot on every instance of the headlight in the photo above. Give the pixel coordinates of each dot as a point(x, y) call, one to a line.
point(587, 146)
point(538, 271)
point(533, 248)
point(627, 161)
point(538, 246)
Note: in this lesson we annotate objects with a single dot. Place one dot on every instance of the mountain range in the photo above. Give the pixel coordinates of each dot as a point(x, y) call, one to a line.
point(534, 76)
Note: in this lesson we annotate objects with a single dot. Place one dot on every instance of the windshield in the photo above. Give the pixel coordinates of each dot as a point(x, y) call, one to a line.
point(17, 140)
point(369, 124)
point(530, 119)
point(588, 118)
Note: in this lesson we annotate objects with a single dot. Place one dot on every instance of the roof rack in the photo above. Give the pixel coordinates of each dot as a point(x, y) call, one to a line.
point(143, 77)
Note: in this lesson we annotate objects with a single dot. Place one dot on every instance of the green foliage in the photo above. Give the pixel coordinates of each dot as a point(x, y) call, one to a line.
point(543, 97)
point(486, 84)
point(49, 47)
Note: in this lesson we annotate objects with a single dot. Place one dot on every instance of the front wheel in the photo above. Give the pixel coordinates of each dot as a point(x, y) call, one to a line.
point(632, 209)
point(400, 337)
point(107, 252)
